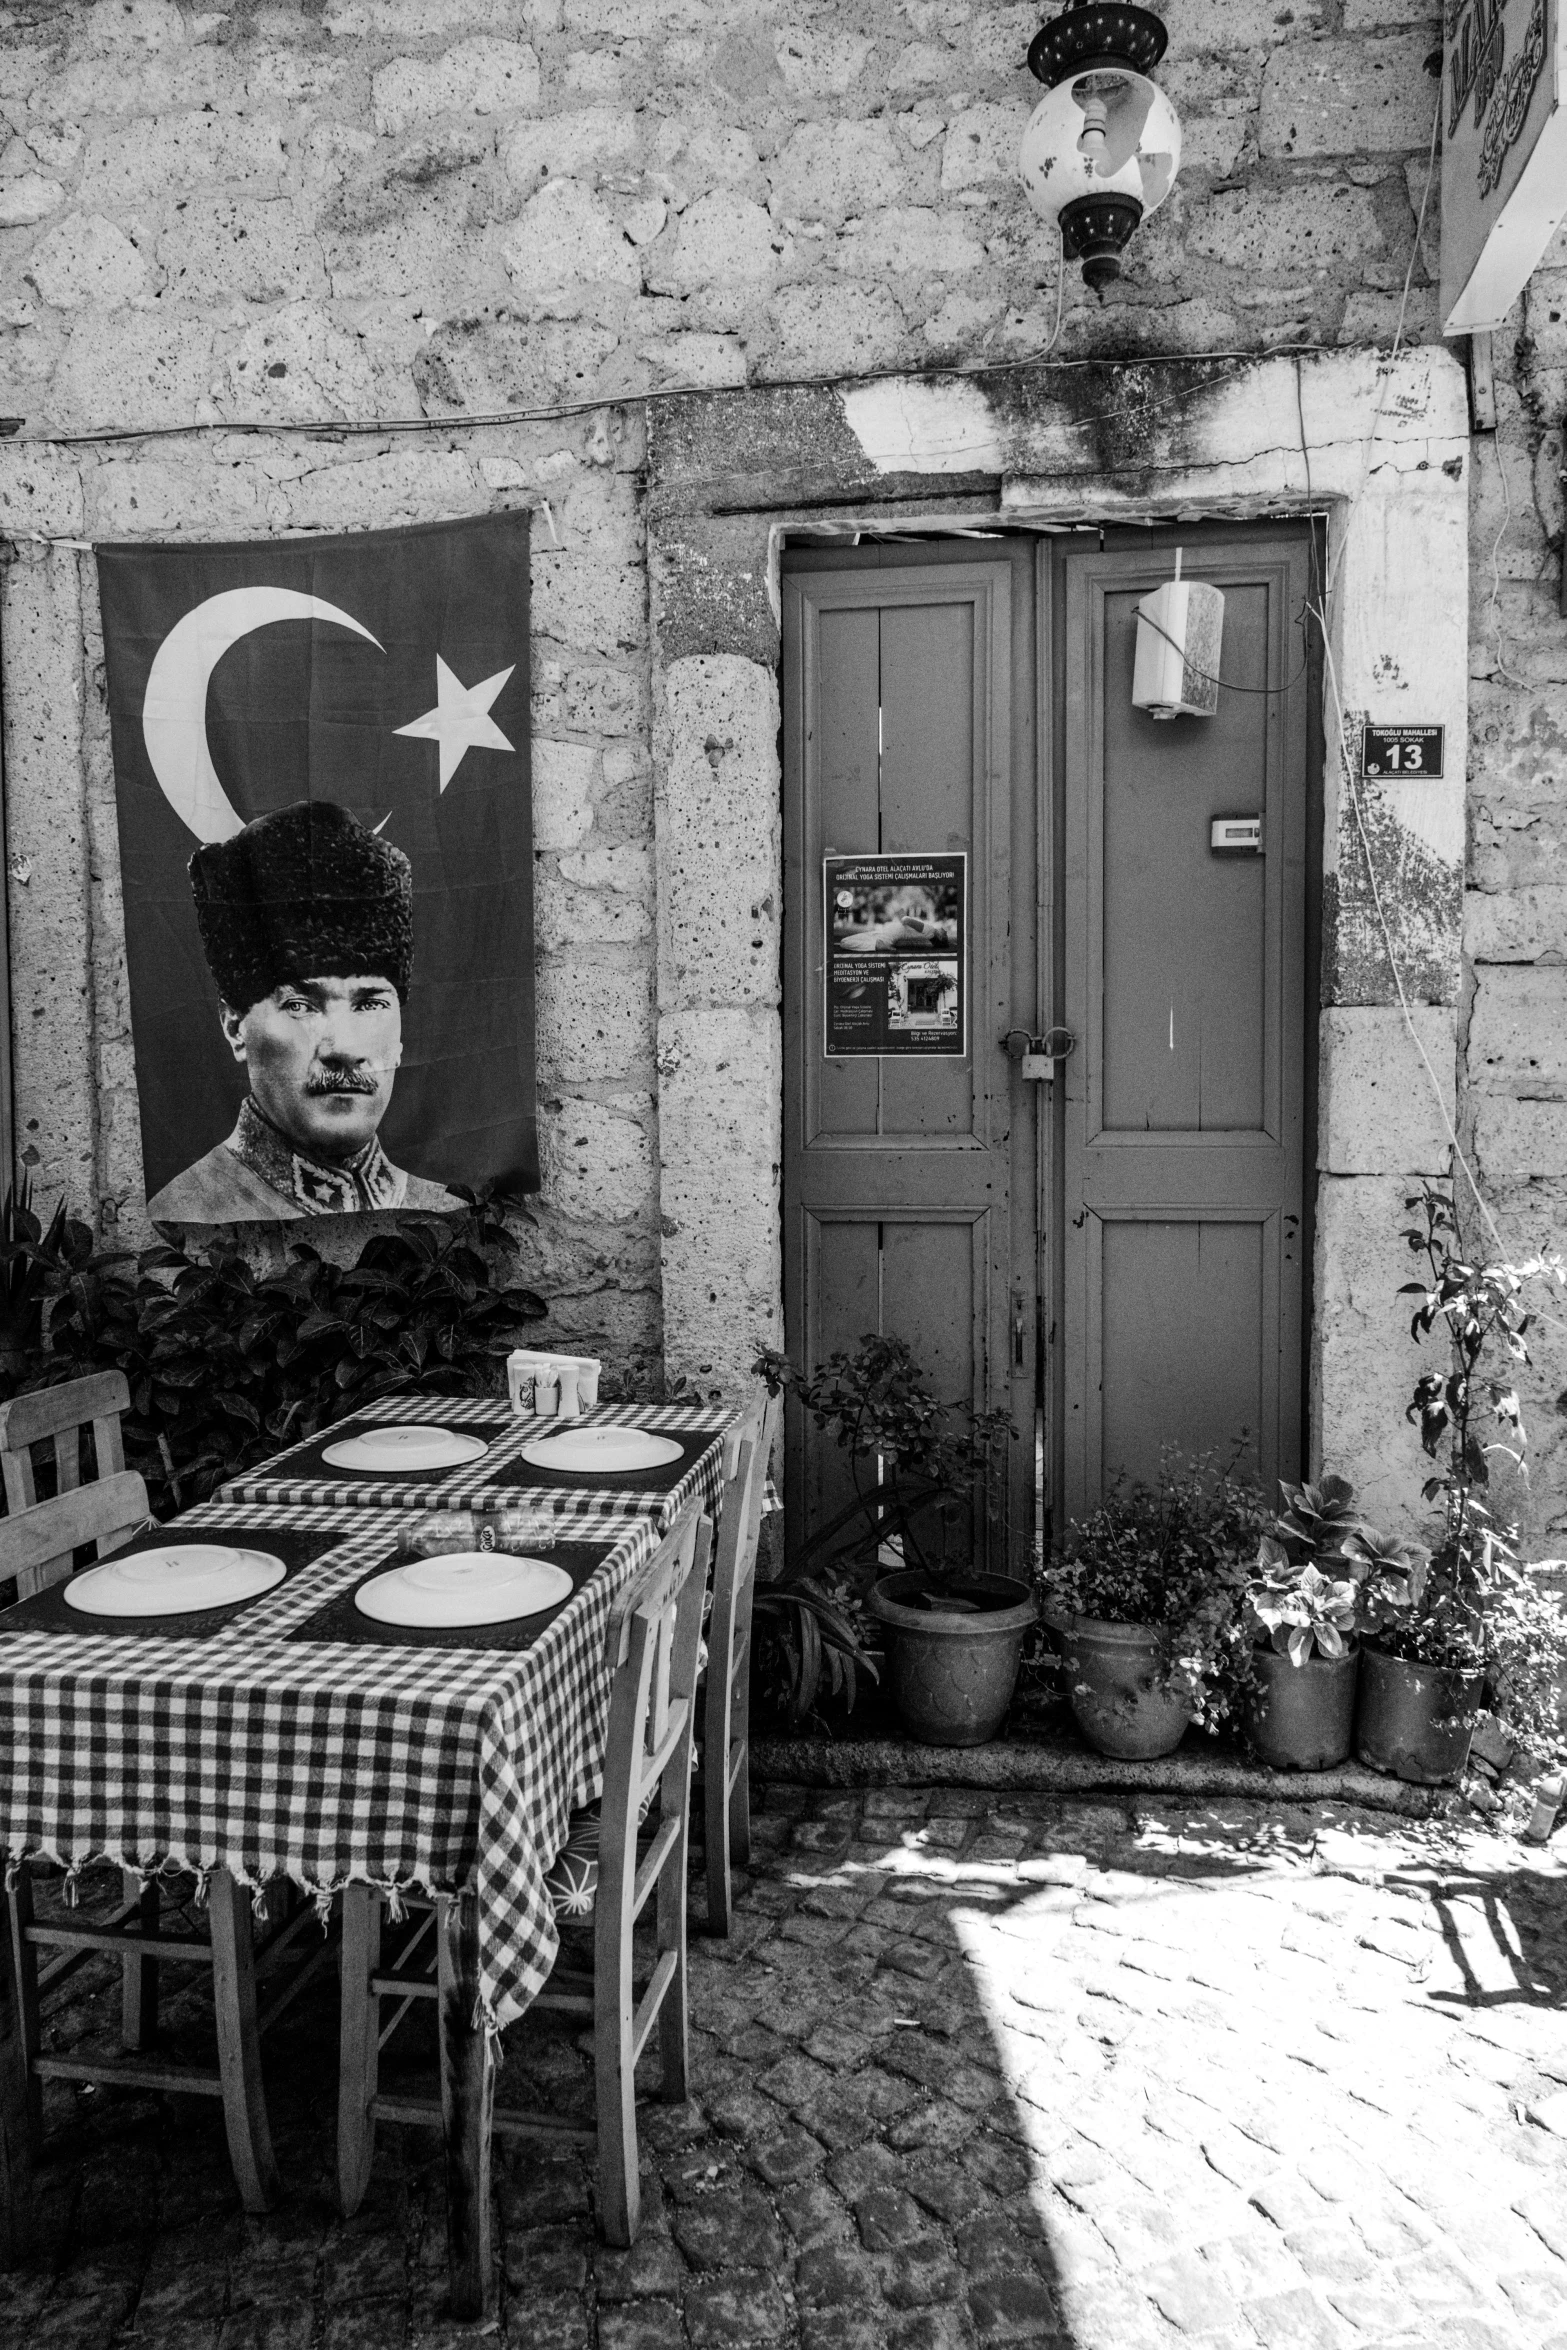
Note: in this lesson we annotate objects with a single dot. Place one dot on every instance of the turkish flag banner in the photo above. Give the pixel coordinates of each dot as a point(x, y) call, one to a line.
point(325, 814)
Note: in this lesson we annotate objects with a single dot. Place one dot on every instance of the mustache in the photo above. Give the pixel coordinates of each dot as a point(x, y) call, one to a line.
point(342, 1081)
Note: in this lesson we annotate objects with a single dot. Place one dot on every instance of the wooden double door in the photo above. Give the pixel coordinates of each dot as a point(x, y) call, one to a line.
point(1117, 1255)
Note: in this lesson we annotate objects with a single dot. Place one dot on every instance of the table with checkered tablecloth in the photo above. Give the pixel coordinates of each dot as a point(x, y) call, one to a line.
point(500, 1478)
point(270, 1750)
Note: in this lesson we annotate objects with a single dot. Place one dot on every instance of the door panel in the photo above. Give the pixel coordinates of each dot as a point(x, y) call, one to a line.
point(1184, 981)
point(907, 713)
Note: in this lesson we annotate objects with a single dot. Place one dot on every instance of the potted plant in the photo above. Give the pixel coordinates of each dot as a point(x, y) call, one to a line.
point(1479, 1628)
point(1149, 1594)
point(1322, 1578)
point(954, 1634)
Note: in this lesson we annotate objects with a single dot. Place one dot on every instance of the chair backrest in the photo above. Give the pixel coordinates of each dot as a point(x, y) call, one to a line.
point(655, 1635)
point(38, 1545)
point(59, 1414)
point(740, 1527)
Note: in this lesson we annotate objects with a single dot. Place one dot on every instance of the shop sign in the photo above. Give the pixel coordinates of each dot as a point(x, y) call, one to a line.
point(895, 967)
point(1504, 153)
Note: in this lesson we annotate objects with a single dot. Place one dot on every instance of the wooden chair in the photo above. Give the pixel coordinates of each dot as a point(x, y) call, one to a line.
point(726, 1765)
point(653, 1640)
point(57, 1416)
point(36, 1546)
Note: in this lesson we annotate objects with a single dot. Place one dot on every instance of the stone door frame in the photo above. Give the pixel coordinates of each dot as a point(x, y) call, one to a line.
point(1378, 447)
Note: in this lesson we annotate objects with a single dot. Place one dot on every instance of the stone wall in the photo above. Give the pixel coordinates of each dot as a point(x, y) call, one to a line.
point(349, 210)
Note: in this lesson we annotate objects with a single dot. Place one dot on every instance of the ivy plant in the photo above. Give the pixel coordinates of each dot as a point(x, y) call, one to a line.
point(227, 1364)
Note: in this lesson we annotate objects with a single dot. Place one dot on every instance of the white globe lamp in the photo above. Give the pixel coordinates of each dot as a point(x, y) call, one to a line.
point(1103, 145)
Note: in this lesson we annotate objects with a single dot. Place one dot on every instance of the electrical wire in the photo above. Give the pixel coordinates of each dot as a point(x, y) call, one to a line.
point(561, 411)
point(1348, 766)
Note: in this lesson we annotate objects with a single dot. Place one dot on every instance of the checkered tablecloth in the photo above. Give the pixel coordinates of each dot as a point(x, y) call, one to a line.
point(297, 1476)
point(319, 1761)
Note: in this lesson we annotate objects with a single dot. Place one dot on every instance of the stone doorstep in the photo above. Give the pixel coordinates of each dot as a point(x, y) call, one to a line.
point(1040, 1766)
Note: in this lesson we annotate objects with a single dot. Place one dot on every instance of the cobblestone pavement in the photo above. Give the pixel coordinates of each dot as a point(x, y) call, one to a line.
point(971, 2070)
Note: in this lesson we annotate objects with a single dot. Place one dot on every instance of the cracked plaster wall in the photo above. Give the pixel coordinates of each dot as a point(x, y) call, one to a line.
point(263, 214)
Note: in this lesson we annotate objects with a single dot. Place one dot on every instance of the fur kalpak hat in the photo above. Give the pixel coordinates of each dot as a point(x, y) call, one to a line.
point(303, 893)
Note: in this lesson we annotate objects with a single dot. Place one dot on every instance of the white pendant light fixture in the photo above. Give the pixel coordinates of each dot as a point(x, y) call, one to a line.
point(1103, 145)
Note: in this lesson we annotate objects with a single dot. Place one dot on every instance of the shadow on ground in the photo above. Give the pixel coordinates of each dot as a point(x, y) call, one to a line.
point(970, 2070)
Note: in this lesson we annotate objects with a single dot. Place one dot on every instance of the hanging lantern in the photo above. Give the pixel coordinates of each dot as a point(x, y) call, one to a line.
point(1103, 145)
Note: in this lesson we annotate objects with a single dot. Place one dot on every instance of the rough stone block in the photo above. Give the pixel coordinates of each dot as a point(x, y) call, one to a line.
point(595, 1021)
point(376, 493)
point(171, 152)
point(817, 62)
point(300, 362)
point(982, 146)
point(718, 834)
point(596, 1157)
point(136, 365)
point(906, 240)
point(594, 606)
point(1518, 1139)
point(1518, 1031)
point(222, 248)
point(567, 237)
point(710, 590)
point(571, 145)
point(1350, 97)
point(1371, 16)
point(1198, 26)
point(833, 330)
point(85, 259)
point(29, 199)
point(148, 496)
point(1367, 1366)
point(1378, 1111)
point(1515, 926)
point(40, 490)
point(563, 775)
point(830, 169)
point(722, 240)
point(721, 1086)
point(1281, 231)
point(424, 20)
point(482, 76)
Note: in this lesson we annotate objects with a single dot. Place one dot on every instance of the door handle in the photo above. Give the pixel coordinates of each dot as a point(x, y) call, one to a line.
point(1039, 1056)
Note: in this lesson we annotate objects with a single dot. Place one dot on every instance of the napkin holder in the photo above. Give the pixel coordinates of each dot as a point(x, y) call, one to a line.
point(553, 1386)
point(524, 1533)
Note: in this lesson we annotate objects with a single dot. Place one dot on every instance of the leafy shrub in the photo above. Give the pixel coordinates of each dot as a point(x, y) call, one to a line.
point(227, 1365)
point(1323, 1573)
point(1173, 1556)
point(1478, 1608)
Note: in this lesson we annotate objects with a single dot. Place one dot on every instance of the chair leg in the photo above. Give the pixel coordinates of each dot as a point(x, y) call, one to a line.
point(359, 2062)
point(673, 2021)
point(239, 2044)
point(19, 2095)
point(716, 1807)
point(467, 2109)
point(139, 1993)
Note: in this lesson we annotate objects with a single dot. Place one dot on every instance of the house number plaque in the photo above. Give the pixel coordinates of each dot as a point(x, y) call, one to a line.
point(1403, 750)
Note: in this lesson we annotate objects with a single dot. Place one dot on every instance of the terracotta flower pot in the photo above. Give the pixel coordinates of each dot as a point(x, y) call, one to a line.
point(1303, 1716)
point(952, 1673)
point(1113, 1671)
point(1405, 1722)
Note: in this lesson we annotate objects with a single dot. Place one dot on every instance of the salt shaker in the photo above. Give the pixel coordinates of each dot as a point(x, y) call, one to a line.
point(569, 1407)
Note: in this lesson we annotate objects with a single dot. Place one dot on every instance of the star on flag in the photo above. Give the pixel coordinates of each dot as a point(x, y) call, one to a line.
point(460, 721)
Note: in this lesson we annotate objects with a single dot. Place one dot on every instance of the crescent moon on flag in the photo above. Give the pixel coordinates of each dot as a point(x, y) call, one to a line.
point(174, 711)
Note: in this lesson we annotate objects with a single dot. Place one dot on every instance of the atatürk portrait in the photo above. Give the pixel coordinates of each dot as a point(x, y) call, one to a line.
point(306, 920)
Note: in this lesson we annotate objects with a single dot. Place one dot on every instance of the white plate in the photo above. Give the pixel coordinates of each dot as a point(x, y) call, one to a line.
point(463, 1587)
point(601, 1452)
point(177, 1580)
point(405, 1448)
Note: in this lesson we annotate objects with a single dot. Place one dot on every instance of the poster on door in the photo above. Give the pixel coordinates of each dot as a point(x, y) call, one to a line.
point(896, 930)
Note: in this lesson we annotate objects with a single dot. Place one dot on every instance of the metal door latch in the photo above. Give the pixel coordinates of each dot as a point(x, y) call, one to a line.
point(1039, 1056)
